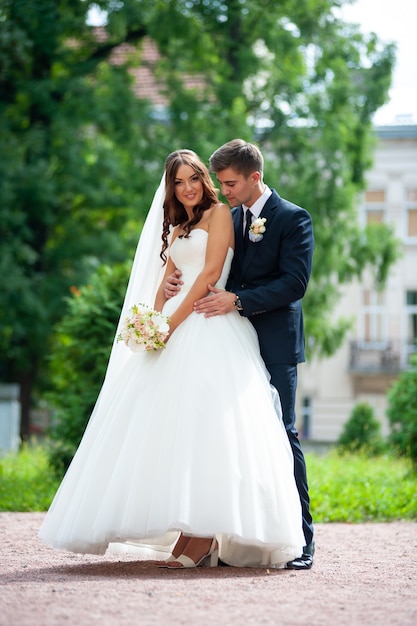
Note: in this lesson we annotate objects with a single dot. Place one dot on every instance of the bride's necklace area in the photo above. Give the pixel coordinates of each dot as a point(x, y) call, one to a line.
point(202, 224)
point(198, 226)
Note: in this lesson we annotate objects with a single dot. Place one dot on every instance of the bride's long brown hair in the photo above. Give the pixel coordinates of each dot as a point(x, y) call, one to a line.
point(174, 211)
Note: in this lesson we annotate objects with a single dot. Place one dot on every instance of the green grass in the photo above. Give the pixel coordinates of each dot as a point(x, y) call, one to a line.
point(359, 488)
point(27, 483)
point(343, 488)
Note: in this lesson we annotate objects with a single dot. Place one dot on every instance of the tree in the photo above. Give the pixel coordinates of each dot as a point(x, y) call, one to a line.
point(68, 125)
point(305, 85)
point(80, 154)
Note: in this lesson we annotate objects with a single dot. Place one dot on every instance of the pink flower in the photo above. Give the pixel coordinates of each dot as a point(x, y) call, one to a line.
point(146, 329)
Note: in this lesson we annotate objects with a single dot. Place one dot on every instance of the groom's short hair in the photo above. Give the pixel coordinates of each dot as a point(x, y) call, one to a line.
point(243, 157)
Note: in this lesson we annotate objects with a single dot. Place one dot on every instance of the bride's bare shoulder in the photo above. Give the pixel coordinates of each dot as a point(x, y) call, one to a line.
point(220, 209)
point(221, 206)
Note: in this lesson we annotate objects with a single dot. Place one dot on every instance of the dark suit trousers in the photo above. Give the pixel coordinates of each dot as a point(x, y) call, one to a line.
point(284, 379)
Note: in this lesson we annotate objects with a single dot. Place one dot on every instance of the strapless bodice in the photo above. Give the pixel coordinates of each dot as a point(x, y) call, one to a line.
point(189, 255)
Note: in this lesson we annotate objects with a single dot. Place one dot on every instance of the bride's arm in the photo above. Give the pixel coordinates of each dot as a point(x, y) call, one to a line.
point(160, 297)
point(220, 236)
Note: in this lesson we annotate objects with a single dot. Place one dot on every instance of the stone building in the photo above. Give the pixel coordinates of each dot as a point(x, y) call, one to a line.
point(384, 331)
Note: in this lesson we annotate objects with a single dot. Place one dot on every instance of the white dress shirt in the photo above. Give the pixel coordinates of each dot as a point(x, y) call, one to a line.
point(257, 206)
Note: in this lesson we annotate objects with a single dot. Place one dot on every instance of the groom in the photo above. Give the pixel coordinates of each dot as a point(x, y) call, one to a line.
point(268, 278)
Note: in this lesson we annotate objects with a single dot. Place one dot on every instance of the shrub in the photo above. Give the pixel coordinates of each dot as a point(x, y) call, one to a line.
point(78, 361)
point(362, 431)
point(402, 413)
point(27, 482)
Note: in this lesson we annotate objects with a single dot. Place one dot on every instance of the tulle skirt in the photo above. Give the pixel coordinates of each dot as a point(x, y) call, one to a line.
point(187, 440)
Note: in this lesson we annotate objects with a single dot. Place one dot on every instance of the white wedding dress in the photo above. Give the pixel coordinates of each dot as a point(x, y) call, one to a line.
point(191, 442)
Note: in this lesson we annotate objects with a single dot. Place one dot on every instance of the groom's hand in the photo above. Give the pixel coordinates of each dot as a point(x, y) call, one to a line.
point(173, 284)
point(218, 302)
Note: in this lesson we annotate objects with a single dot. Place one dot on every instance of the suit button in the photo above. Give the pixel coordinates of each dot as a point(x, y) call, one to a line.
point(243, 285)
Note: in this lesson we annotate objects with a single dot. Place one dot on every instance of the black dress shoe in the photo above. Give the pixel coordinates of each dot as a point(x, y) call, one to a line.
point(305, 561)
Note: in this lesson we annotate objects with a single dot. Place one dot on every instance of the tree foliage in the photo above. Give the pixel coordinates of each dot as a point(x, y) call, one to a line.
point(82, 343)
point(402, 413)
point(362, 431)
point(80, 154)
point(69, 125)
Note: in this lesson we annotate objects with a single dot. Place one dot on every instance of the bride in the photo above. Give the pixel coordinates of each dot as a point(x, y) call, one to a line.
point(185, 456)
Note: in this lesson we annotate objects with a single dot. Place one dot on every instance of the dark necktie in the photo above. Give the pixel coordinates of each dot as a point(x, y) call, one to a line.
point(247, 226)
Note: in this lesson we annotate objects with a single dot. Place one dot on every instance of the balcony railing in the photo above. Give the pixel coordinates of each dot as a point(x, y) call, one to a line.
point(376, 357)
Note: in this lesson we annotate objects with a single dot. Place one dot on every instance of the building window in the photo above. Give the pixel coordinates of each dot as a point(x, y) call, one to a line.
point(411, 324)
point(374, 207)
point(372, 318)
point(412, 222)
point(412, 213)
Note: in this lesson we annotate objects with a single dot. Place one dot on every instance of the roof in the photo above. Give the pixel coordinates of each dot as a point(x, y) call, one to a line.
point(393, 131)
point(146, 86)
point(402, 127)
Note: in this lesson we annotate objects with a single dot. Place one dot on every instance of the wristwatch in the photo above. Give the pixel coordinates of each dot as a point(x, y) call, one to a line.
point(238, 304)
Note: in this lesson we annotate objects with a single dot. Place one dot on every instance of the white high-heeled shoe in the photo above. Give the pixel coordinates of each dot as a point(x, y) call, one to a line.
point(207, 560)
point(172, 556)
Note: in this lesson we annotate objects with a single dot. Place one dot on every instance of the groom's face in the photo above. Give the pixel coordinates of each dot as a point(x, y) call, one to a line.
point(238, 189)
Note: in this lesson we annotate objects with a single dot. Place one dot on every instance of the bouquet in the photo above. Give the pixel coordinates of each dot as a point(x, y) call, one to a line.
point(145, 329)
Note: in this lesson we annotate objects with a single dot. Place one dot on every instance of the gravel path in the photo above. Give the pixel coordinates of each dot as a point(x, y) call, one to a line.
point(363, 575)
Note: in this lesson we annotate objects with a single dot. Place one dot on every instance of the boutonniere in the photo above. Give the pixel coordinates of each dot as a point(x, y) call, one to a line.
point(256, 229)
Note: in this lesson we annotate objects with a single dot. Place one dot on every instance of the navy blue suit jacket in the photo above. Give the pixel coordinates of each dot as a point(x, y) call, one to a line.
point(271, 278)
